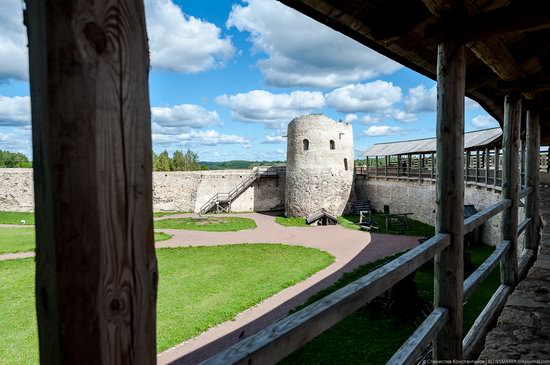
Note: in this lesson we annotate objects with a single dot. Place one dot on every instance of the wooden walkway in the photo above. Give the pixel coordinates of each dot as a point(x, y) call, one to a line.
point(523, 329)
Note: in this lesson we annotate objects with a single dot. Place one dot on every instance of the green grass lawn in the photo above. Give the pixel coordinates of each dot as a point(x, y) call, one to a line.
point(161, 236)
point(16, 239)
point(416, 228)
point(16, 217)
point(291, 221)
point(210, 223)
point(162, 214)
point(370, 335)
point(199, 287)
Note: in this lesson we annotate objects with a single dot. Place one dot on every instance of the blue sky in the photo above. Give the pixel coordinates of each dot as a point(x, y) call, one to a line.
point(227, 77)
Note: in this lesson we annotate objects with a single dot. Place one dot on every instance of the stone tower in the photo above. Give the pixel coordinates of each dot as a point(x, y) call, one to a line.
point(319, 170)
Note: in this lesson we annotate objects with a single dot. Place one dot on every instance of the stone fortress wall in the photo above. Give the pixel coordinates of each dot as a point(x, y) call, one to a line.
point(172, 191)
point(418, 197)
point(319, 171)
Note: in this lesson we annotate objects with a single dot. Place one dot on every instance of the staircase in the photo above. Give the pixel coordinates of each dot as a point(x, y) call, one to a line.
point(362, 206)
point(221, 202)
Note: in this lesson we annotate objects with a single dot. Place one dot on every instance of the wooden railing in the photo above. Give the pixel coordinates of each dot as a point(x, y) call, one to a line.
point(284, 337)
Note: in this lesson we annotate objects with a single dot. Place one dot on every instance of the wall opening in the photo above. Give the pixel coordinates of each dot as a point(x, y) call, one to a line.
point(346, 164)
point(332, 144)
point(306, 144)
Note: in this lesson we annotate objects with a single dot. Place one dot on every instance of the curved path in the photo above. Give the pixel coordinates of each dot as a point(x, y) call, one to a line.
point(351, 248)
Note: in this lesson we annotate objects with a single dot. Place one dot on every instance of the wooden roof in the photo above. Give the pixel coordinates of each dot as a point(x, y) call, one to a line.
point(508, 47)
point(476, 139)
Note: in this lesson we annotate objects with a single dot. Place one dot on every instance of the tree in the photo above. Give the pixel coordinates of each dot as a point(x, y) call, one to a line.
point(163, 163)
point(13, 159)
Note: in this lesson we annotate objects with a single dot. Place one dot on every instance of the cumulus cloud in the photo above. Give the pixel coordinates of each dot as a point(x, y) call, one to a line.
point(484, 121)
point(370, 119)
point(175, 117)
point(15, 111)
point(400, 115)
point(303, 52)
point(13, 42)
point(421, 99)
point(383, 130)
point(260, 106)
point(374, 96)
point(349, 118)
point(17, 140)
point(271, 139)
point(199, 138)
point(183, 43)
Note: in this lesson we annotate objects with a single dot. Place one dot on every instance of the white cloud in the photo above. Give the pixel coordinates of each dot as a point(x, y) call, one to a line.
point(400, 115)
point(370, 119)
point(349, 118)
point(274, 139)
point(303, 52)
point(176, 117)
point(421, 99)
point(13, 42)
point(15, 111)
point(183, 43)
point(199, 138)
point(374, 96)
point(383, 130)
point(471, 104)
point(260, 106)
point(484, 121)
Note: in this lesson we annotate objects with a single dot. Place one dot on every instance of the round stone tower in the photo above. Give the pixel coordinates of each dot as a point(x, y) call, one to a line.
point(319, 170)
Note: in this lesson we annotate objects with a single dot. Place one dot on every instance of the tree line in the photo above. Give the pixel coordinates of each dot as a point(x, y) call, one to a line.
point(14, 159)
point(180, 161)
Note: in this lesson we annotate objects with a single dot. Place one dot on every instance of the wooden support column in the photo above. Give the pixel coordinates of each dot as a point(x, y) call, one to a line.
point(486, 161)
point(449, 264)
point(386, 166)
point(376, 164)
point(398, 166)
point(433, 167)
point(467, 174)
point(420, 163)
point(496, 165)
point(510, 186)
point(477, 166)
point(532, 235)
point(96, 270)
point(522, 164)
point(409, 161)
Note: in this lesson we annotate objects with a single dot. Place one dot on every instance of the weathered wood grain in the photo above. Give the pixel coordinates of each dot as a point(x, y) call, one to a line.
point(419, 341)
point(96, 271)
point(284, 337)
point(523, 225)
point(533, 235)
point(484, 215)
point(484, 270)
point(510, 185)
point(475, 338)
point(449, 264)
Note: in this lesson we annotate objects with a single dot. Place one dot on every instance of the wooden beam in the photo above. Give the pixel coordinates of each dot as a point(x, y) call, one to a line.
point(532, 236)
point(96, 271)
point(514, 18)
point(449, 264)
point(510, 185)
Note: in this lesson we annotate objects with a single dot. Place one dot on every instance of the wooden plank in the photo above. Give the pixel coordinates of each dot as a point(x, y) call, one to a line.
point(289, 334)
point(449, 265)
point(484, 270)
point(419, 341)
point(96, 272)
point(532, 203)
point(484, 215)
point(523, 225)
point(526, 192)
point(475, 338)
point(510, 185)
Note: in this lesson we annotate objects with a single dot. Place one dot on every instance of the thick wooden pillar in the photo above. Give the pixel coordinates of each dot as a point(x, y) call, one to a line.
point(96, 271)
point(449, 264)
point(532, 235)
point(510, 186)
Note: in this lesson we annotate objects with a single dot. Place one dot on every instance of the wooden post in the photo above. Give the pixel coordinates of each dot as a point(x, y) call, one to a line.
point(398, 166)
point(96, 271)
point(510, 186)
point(496, 165)
point(467, 174)
point(386, 166)
point(477, 166)
point(449, 264)
point(532, 235)
point(376, 163)
point(487, 160)
point(522, 164)
point(420, 160)
point(409, 161)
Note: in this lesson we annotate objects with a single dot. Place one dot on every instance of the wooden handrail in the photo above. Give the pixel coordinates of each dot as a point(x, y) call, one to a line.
point(525, 192)
point(484, 215)
point(476, 335)
point(485, 269)
point(284, 337)
point(523, 225)
point(420, 340)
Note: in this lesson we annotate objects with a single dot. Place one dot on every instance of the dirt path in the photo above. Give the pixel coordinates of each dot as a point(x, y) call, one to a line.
point(351, 248)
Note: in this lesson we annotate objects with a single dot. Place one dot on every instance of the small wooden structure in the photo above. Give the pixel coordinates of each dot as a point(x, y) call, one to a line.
point(96, 272)
point(322, 218)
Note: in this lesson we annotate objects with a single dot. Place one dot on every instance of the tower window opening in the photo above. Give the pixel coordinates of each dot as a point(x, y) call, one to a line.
point(346, 164)
point(332, 144)
point(306, 144)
